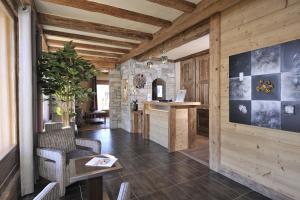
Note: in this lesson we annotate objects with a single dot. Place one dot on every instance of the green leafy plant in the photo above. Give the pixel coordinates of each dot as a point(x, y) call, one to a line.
point(61, 74)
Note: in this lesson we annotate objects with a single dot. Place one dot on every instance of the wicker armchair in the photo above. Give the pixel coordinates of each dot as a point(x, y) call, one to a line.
point(56, 148)
point(50, 192)
point(54, 126)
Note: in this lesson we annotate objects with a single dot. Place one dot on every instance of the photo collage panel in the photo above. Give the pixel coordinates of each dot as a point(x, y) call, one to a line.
point(264, 87)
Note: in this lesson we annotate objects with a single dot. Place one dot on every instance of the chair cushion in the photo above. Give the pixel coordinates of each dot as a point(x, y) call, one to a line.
point(77, 153)
point(63, 139)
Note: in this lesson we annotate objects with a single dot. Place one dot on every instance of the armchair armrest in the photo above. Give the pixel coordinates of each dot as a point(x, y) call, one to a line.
point(51, 191)
point(59, 157)
point(56, 155)
point(95, 145)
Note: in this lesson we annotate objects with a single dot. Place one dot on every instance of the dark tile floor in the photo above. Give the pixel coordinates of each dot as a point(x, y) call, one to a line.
point(155, 174)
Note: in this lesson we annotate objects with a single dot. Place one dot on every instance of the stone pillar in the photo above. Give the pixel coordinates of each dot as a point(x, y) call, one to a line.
point(115, 99)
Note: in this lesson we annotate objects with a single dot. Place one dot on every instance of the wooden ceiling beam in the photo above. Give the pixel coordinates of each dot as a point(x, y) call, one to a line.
point(88, 46)
point(103, 65)
point(182, 5)
point(204, 10)
point(90, 57)
point(97, 58)
point(90, 38)
point(95, 53)
point(113, 11)
point(92, 27)
point(184, 37)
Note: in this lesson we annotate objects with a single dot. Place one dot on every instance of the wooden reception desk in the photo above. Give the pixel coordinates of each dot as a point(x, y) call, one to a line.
point(171, 124)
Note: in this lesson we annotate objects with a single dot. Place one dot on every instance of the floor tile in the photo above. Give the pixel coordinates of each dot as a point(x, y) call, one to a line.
point(153, 173)
point(170, 193)
point(253, 196)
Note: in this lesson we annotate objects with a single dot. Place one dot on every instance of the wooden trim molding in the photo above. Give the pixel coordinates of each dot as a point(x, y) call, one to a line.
point(192, 56)
point(113, 11)
point(103, 82)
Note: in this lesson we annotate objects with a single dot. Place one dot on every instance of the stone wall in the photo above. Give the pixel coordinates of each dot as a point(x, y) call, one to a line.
point(115, 98)
point(159, 70)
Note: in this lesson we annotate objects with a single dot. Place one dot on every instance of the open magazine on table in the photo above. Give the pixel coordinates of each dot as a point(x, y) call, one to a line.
point(105, 160)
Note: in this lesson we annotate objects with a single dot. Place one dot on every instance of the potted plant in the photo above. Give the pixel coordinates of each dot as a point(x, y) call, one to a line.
point(60, 75)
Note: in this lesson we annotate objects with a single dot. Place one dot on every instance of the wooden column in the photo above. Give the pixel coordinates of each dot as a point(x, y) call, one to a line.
point(214, 93)
point(192, 116)
point(172, 129)
point(146, 122)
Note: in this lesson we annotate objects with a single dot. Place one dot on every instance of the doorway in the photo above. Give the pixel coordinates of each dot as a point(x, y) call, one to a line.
point(194, 78)
point(103, 97)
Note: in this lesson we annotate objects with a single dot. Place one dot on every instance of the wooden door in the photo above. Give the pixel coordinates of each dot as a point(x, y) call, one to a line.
point(188, 77)
point(202, 77)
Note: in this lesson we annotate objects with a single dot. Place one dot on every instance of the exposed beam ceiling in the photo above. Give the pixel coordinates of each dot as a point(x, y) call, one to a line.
point(182, 5)
point(92, 27)
point(97, 58)
point(88, 46)
point(97, 53)
point(184, 37)
point(204, 9)
point(31, 3)
point(90, 38)
point(113, 11)
point(89, 56)
point(103, 65)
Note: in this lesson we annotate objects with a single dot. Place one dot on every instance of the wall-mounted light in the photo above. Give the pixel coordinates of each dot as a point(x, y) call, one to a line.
point(150, 64)
point(164, 58)
point(104, 70)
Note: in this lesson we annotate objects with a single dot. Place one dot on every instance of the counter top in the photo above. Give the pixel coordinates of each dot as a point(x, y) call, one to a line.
point(172, 103)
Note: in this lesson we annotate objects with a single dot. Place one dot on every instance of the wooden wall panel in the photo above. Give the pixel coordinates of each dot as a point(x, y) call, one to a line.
point(202, 79)
point(187, 82)
point(268, 157)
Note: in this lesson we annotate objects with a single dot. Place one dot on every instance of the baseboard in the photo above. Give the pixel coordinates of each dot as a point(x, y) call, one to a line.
point(266, 191)
point(193, 158)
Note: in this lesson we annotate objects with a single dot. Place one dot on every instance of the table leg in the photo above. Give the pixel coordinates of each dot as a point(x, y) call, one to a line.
point(95, 188)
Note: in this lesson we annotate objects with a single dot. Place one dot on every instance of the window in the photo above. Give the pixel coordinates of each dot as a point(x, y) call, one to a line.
point(7, 83)
point(160, 91)
point(103, 96)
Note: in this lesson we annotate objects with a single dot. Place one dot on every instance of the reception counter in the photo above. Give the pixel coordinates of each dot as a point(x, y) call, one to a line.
point(170, 124)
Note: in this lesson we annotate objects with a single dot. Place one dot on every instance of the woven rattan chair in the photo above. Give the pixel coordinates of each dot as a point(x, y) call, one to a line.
point(55, 148)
